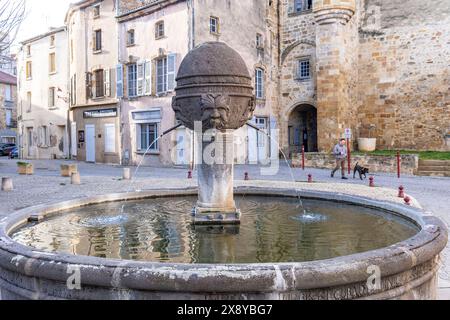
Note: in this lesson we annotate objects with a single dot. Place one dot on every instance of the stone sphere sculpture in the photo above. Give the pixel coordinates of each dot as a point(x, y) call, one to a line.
point(214, 93)
point(214, 87)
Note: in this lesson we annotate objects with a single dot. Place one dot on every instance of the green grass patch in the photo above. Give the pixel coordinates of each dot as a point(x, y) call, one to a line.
point(423, 155)
point(22, 164)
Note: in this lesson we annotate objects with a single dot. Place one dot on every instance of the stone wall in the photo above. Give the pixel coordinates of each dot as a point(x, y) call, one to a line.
point(297, 41)
point(375, 163)
point(404, 73)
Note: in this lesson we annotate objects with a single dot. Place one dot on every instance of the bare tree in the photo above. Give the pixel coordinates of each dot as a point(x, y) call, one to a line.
point(12, 13)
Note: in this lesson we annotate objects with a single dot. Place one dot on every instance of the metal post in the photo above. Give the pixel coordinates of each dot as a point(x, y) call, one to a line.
point(303, 157)
point(398, 164)
point(348, 155)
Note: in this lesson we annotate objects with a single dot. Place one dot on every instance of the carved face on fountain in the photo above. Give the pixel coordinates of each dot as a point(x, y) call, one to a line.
point(214, 87)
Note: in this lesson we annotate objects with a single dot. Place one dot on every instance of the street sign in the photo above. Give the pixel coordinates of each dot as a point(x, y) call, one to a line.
point(348, 133)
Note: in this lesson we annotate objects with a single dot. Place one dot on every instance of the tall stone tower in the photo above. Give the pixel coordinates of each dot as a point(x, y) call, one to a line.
point(336, 54)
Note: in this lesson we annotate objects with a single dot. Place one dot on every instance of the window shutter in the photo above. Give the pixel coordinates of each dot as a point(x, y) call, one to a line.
point(140, 79)
point(138, 137)
point(47, 137)
point(171, 70)
point(93, 85)
point(88, 85)
point(100, 41)
point(74, 89)
point(40, 134)
point(148, 78)
point(119, 81)
point(94, 41)
point(107, 82)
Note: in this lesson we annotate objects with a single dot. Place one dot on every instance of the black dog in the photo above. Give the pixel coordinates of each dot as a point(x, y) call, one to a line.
point(361, 170)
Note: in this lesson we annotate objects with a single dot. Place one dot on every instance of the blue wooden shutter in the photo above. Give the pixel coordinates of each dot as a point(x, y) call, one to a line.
point(119, 81)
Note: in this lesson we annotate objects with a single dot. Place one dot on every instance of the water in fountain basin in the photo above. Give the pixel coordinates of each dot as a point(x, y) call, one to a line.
point(300, 202)
point(133, 177)
point(271, 230)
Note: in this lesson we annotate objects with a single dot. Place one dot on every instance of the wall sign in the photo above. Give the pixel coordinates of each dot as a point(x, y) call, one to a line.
point(147, 115)
point(348, 133)
point(101, 113)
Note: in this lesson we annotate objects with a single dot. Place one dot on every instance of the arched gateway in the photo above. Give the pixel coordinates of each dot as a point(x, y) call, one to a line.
point(302, 129)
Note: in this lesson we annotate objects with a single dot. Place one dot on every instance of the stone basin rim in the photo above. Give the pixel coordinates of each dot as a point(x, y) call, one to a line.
point(259, 277)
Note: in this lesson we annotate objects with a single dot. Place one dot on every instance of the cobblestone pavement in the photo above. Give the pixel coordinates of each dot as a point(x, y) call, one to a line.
point(47, 186)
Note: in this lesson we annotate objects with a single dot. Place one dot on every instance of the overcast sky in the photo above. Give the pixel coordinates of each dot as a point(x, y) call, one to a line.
point(41, 15)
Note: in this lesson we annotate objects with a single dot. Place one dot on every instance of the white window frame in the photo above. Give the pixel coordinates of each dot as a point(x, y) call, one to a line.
point(52, 97)
point(165, 82)
point(139, 125)
point(131, 37)
point(8, 117)
point(259, 40)
point(44, 136)
point(98, 41)
point(214, 25)
point(160, 33)
point(29, 70)
point(8, 92)
point(156, 120)
point(50, 64)
point(259, 83)
point(110, 136)
point(132, 82)
point(29, 98)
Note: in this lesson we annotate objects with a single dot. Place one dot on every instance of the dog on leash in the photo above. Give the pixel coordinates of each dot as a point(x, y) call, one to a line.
point(362, 171)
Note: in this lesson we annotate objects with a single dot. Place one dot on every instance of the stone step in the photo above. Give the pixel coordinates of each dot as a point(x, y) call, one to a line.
point(434, 173)
point(434, 162)
point(434, 168)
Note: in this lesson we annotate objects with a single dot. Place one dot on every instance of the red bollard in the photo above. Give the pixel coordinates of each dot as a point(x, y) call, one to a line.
point(371, 183)
point(310, 180)
point(407, 200)
point(398, 164)
point(246, 176)
point(189, 174)
point(401, 193)
point(303, 157)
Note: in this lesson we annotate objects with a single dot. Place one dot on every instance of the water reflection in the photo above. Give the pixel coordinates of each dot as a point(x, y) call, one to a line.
point(271, 230)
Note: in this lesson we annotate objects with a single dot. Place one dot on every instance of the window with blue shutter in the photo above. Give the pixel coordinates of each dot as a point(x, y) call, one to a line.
point(119, 81)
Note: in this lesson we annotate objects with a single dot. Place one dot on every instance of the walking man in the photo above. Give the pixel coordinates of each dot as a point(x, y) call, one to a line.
point(340, 154)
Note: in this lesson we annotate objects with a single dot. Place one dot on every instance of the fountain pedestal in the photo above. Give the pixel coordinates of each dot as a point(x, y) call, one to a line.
point(214, 96)
point(215, 203)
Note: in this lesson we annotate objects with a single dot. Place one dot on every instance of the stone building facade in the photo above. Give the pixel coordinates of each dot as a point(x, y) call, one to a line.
point(43, 96)
point(375, 63)
point(93, 57)
point(318, 66)
point(8, 108)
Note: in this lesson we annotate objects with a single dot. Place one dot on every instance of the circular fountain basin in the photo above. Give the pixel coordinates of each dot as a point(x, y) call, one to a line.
point(340, 247)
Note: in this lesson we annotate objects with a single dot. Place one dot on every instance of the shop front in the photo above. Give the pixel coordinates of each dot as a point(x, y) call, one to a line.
point(95, 133)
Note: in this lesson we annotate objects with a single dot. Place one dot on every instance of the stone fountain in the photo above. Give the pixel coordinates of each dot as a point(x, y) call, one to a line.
point(214, 97)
